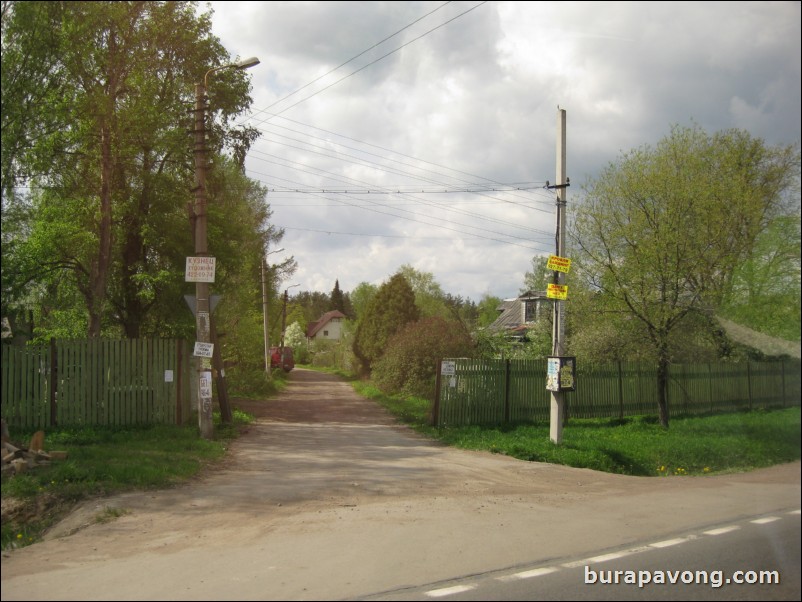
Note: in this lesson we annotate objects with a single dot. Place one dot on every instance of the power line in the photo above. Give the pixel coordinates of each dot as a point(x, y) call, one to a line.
point(375, 61)
point(353, 58)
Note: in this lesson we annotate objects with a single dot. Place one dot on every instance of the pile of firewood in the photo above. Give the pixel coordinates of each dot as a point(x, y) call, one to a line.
point(18, 459)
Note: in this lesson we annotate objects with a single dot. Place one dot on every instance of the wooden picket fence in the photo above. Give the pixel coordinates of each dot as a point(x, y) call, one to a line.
point(505, 391)
point(96, 382)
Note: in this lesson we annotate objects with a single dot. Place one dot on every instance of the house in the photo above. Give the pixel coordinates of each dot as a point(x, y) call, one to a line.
point(329, 327)
point(517, 315)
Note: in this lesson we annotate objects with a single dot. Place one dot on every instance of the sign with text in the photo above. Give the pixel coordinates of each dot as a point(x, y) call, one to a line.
point(448, 368)
point(199, 269)
point(557, 291)
point(205, 385)
point(203, 349)
point(558, 264)
point(561, 374)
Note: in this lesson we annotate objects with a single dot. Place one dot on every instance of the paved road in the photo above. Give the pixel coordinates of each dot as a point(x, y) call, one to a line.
point(326, 497)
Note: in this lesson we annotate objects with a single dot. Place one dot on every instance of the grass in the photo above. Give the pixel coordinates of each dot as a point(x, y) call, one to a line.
point(104, 461)
point(693, 445)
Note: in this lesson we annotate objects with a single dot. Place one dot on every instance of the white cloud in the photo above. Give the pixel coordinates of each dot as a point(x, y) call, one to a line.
point(474, 103)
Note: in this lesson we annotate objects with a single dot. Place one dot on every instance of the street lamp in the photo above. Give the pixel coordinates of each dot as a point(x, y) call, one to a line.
point(265, 273)
point(202, 325)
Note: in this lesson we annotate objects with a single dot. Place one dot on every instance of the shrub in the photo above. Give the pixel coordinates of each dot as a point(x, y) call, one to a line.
point(409, 363)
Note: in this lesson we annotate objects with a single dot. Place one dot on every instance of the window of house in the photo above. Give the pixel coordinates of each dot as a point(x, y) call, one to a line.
point(531, 310)
point(325, 333)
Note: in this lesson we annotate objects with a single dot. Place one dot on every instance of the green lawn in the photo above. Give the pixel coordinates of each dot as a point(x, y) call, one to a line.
point(636, 446)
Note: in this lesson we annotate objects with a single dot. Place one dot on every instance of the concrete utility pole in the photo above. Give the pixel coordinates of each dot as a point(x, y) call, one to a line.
point(557, 409)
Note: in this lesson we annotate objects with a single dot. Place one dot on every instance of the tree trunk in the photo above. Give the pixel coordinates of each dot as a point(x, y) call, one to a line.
point(662, 387)
point(99, 272)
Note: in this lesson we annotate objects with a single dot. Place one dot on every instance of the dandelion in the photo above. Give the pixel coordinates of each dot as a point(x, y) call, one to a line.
point(19, 535)
point(706, 469)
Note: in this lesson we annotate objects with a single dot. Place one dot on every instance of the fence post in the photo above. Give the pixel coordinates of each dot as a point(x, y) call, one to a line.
point(620, 392)
point(436, 407)
point(749, 382)
point(53, 380)
point(506, 391)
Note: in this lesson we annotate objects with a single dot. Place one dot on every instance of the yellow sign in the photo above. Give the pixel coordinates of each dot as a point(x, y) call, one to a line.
point(558, 264)
point(557, 291)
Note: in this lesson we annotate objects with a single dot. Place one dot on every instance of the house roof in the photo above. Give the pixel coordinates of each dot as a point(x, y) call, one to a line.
point(314, 327)
point(510, 313)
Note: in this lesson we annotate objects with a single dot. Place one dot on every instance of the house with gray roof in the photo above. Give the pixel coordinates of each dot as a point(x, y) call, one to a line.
point(517, 315)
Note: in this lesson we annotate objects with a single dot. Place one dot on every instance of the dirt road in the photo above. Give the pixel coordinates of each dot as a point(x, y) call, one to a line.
point(326, 497)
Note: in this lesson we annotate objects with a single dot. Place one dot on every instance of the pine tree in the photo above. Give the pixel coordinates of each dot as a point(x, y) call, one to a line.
point(337, 299)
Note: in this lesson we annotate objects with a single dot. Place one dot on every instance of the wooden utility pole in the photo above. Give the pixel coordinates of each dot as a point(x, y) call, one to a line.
point(202, 315)
point(557, 411)
point(203, 335)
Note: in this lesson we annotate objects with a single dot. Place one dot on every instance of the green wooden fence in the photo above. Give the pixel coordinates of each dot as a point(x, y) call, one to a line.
point(96, 382)
point(500, 391)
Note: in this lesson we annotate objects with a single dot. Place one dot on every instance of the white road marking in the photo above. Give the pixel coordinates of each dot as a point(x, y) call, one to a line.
point(722, 530)
point(450, 591)
point(546, 570)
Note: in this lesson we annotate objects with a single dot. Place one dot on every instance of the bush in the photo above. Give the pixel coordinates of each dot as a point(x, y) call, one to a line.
point(409, 363)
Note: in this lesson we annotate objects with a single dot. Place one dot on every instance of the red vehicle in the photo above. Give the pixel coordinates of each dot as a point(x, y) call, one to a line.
point(284, 360)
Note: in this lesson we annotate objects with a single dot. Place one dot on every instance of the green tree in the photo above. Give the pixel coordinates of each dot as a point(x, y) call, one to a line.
point(391, 309)
point(488, 310)
point(337, 298)
point(538, 279)
point(661, 233)
point(429, 295)
point(361, 297)
point(105, 151)
point(313, 304)
point(765, 292)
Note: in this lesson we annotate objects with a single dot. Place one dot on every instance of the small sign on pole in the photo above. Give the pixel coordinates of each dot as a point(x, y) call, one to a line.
point(203, 349)
point(557, 291)
point(200, 269)
point(559, 264)
point(561, 374)
point(448, 368)
point(205, 386)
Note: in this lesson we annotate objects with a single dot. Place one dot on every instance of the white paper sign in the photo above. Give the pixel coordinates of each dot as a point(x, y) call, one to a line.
point(168, 376)
point(203, 349)
point(205, 385)
point(199, 269)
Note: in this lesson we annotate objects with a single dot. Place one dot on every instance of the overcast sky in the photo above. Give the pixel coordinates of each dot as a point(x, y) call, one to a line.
point(387, 125)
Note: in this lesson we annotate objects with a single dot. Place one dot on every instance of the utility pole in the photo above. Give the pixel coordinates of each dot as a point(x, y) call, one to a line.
point(202, 322)
point(557, 411)
point(265, 295)
point(202, 316)
point(264, 315)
